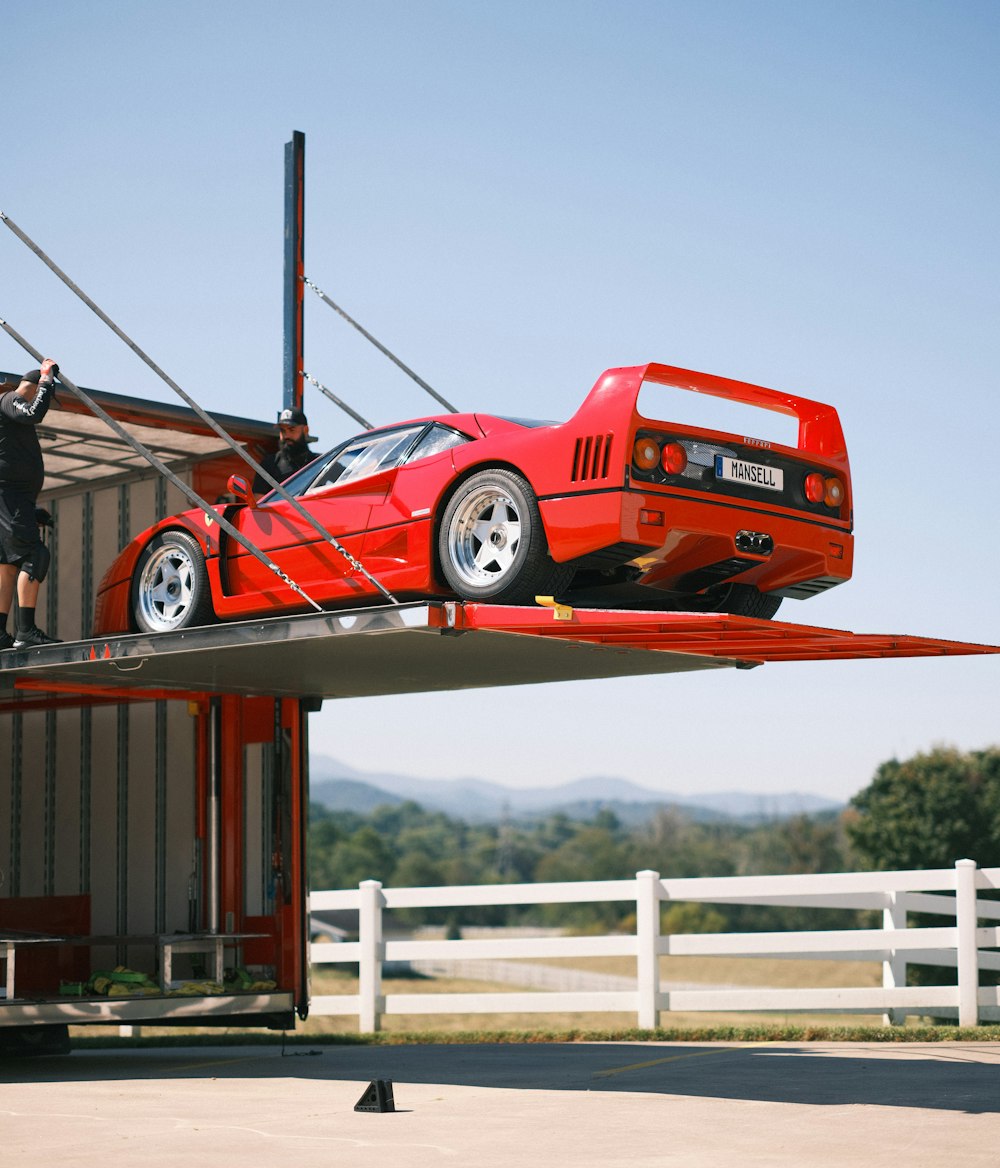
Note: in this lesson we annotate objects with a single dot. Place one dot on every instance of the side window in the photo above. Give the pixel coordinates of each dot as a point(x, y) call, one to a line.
point(335, 468)
point(436, 439)
point(369, 453)
point(365, 456)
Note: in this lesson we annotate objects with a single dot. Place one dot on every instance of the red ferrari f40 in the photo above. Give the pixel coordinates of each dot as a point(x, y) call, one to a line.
point(666, 490)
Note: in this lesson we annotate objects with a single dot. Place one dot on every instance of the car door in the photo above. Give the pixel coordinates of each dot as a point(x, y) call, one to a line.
point(399, 546)
point(339, 492)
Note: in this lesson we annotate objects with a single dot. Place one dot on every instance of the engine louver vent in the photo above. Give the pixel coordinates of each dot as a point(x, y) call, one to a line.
point(591, 458)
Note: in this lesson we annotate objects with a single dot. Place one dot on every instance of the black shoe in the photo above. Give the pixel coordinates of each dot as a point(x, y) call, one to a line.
point(30, 638)
point(6, 640)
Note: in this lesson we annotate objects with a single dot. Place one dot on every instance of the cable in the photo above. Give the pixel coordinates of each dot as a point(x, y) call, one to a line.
point(378, 345)
point(336, 401)
point(206, 418)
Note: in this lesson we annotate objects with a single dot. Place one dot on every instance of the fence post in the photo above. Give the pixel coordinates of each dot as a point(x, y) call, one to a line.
point(894, 968)
point(968, 950)
point(647, 961)
point(372, 950)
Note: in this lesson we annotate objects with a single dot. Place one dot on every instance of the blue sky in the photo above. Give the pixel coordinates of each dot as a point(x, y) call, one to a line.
point(515, 196)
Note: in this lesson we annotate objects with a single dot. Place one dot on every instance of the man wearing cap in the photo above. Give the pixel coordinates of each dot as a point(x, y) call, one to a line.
point(293, 450)
point(24, 558)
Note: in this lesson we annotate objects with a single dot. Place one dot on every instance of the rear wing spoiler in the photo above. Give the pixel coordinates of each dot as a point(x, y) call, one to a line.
point(819, 425)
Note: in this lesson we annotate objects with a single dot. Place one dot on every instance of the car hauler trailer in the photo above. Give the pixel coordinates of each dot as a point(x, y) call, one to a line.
point(154, 790)
point(152, 853)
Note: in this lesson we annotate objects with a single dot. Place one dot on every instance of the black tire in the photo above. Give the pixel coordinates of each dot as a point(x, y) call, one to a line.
point(170, 589)
point(492, 545)
point(743, 600)
point(25, 1041)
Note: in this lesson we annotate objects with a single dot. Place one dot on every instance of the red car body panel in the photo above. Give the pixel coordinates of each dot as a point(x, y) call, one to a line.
point(590, 498)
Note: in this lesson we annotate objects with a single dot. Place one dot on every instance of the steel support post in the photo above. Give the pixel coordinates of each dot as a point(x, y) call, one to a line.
point(295, 155)
point(213, 825)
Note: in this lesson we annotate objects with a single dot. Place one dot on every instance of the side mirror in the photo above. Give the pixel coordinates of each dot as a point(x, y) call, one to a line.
point(238, 486)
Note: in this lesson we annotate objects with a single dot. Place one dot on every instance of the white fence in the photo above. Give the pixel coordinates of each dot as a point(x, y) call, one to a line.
point(952, 893)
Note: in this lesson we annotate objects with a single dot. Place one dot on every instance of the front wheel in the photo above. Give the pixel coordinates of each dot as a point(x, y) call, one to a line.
point(492, 545)
point(170, 588)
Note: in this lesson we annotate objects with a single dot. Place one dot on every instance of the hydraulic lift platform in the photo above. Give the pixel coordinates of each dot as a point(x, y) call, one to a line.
point(431, 647)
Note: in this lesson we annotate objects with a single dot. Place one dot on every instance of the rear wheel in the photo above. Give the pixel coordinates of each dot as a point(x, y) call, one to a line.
point(492, 544)
point(170, 588)
point(741, 600)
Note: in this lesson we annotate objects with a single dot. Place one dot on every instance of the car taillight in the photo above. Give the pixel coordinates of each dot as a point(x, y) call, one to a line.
point(674, 458)
point(815, 487)
point(834, 494)
point(645, 454)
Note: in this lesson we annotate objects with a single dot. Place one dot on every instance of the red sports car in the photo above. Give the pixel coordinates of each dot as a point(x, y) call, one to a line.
point(623, 506)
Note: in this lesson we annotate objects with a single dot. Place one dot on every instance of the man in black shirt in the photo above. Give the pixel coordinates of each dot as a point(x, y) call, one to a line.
point(293, 450)
point(24, 558)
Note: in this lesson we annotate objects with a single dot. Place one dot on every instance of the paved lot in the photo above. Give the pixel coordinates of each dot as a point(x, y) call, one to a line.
point(608, 1104)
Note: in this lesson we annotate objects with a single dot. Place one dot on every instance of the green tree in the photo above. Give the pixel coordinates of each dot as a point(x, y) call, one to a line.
point(689, 917)
point(929, 811)
point(590, 853)
point(363, 855)
point(673, 845)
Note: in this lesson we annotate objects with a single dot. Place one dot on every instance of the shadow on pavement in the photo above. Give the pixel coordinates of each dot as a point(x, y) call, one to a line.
point(961, 1078)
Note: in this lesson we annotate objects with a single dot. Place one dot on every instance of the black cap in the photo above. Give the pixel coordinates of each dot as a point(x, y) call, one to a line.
point(292, 417)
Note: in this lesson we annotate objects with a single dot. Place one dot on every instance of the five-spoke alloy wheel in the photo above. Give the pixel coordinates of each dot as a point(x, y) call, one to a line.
point(170, 588)
point(492, 544)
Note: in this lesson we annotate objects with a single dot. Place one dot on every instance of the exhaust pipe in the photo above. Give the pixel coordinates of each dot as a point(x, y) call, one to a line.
point(756, 543)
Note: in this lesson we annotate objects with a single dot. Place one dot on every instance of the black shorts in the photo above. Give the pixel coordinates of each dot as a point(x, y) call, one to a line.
point(19, 534)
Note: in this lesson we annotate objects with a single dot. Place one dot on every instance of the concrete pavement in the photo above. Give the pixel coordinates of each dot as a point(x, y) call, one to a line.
point(581, 1104)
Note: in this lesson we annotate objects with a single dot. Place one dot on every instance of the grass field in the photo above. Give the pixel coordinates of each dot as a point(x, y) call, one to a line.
point(701, 970)
point(743, 971)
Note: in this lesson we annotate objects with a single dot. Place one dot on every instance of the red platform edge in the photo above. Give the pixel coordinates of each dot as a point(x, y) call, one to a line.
point(703, 634)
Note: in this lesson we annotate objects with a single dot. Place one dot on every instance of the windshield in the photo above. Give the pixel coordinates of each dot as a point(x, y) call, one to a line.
point(365, 456)
point(369, 453)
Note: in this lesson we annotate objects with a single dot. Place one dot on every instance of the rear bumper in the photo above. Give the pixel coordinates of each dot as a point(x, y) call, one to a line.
point(690, 543)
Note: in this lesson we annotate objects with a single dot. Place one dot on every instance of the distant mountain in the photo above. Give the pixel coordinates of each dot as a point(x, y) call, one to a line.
point(341, 787)
point(350, 795)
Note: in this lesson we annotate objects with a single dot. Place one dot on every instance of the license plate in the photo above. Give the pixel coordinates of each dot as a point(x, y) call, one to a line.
point(750, 474)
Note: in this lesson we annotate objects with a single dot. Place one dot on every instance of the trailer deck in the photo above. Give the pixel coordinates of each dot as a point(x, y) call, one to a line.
point(435, 647)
